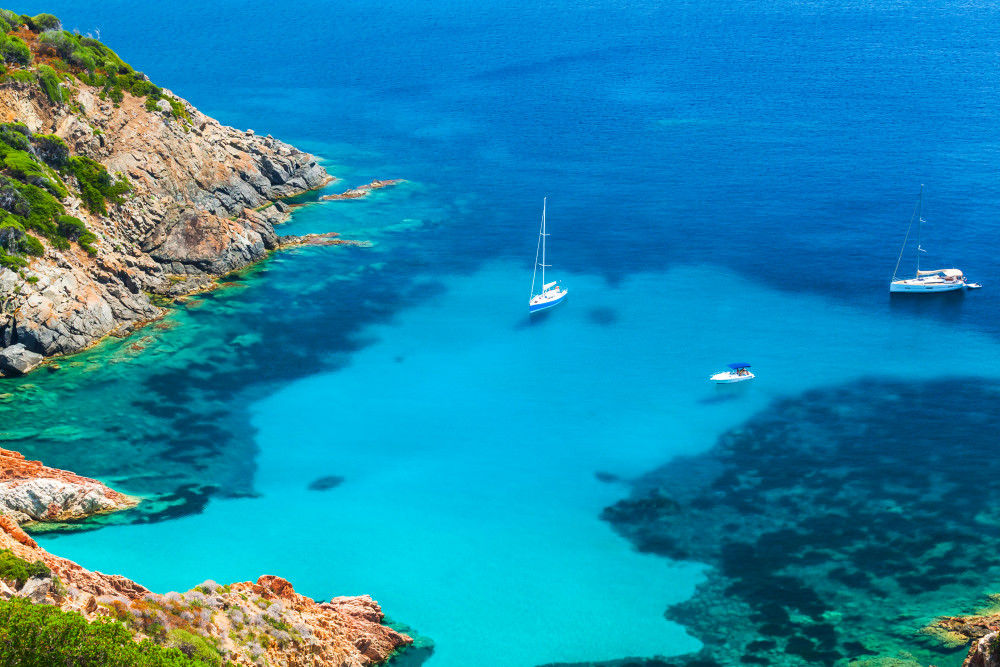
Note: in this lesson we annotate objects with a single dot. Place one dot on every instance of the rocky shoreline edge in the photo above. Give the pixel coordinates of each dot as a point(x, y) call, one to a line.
point(192, 200)
point(243, 623)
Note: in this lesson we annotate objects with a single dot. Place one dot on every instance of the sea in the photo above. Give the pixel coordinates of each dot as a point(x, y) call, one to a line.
point(725, 181)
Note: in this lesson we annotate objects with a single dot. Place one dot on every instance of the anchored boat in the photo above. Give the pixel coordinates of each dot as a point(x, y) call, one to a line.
point(934, 280)
point(552, 294)
point(736, 373)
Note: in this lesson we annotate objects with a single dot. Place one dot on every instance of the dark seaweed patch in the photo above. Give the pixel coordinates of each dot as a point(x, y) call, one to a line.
point(826, 515)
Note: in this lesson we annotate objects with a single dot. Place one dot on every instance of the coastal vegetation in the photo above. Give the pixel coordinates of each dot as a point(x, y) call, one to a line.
point(41, 635)
point(38, 171)
point(38, 634)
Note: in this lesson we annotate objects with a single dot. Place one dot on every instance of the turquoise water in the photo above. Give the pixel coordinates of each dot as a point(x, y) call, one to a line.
point(725, 182)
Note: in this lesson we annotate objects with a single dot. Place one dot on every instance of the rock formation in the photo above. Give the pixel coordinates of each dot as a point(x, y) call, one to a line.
point(245, 622)
point(982, 629)
point(363, 191)
point(203, 203)
point(30, 491)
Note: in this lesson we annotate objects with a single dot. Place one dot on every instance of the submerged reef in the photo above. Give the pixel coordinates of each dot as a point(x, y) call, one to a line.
point(837, 524)
point(113, 189)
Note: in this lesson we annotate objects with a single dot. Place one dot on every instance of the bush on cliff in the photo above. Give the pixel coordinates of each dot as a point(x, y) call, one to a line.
point(52, 150)
point(17, 569)
point(14, 50)
point(96, 185)
point(11, 20)
point(41, 22)
point(41, 635)
point(11, 262)
point(194, 646)
point(49, 81)
point(24, 167)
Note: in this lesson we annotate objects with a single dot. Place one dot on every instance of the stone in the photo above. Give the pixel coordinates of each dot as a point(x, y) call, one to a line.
point(18, 360)
point(36, 589)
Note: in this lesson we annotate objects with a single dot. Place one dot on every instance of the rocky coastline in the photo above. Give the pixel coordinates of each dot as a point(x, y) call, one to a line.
point(204, 201)
point(245, 623)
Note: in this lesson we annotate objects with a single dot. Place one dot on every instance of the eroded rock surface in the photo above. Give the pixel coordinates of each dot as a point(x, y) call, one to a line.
point(30, 491)
point(201, 206)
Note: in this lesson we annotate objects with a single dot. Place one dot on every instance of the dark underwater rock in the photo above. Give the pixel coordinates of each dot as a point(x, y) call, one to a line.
point(833, 522)
point(326, 483)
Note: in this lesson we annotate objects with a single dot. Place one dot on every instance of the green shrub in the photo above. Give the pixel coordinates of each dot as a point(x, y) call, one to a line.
point(11, 197)
point(71, 227)
point(96, 185)
point(42, 22)
point(32, 246)
point(21, 75)
point(11, 232)
point(33, 280)
point(50, 84)
point(14, 50)
point(17, 569)
point(11, 262)
point(24, 167)
point(50, 148)
point(16, 136)
point(42, 635)
point(59, 42)
point(194, 646)
point(11, 18)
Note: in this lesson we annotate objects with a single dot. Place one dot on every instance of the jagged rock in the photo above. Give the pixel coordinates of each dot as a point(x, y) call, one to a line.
point(18, 360)
point(985, 652)
point(36, 589)
point(30, 491)
point(194, 212)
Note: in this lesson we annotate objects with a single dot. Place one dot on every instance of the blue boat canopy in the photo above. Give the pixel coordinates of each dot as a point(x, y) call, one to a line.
point(738, 366)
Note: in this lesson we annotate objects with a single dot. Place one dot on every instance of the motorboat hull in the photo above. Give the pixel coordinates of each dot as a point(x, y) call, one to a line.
point(925, 286)
point(729, 377)
point(546, 300)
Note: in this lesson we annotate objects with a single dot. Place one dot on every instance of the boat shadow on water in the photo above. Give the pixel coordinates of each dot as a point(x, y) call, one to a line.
point(917, 303)
point(723, 393)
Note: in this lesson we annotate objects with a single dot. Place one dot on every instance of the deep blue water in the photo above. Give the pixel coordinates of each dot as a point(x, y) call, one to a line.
point(726, 181)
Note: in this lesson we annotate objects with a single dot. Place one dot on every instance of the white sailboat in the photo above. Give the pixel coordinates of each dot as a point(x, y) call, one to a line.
point(552, 294)
point(934, 280)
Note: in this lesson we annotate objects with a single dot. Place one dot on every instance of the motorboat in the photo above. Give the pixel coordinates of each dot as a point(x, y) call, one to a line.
point(736, 373)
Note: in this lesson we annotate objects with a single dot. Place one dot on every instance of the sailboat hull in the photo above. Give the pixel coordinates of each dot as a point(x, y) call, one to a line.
point(549, 299)
point(917, 285)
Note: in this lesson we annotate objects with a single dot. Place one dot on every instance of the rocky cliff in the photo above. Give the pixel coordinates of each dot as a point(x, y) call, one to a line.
point(202, 201)
point(245, 623)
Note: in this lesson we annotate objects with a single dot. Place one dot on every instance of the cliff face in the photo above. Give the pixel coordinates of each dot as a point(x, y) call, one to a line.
point(190, 216)
point(245, 622)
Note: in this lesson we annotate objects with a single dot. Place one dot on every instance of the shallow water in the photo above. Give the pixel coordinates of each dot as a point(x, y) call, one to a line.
point(726, 182)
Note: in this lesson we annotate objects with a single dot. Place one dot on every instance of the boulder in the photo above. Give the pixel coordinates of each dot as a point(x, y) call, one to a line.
point(36, 588)
point(18, 360)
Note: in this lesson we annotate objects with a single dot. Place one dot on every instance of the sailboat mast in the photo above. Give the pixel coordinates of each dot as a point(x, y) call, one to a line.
point(920, 199)
point(544, 200)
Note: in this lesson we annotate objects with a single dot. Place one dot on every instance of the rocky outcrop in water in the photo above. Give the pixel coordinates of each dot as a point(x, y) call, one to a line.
point(203, 203)
point(30, 491)
point(362, 191)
